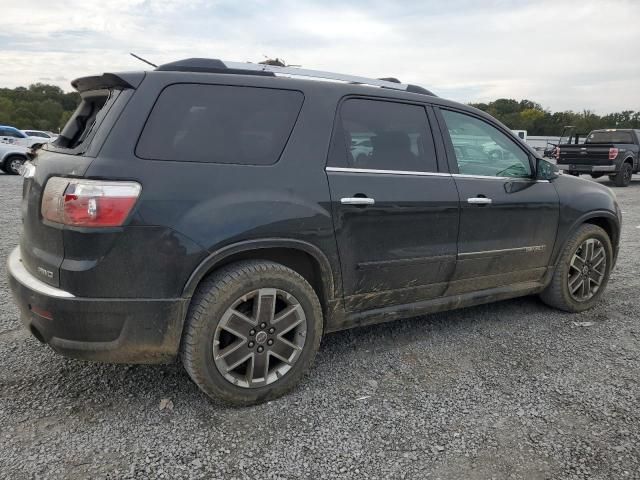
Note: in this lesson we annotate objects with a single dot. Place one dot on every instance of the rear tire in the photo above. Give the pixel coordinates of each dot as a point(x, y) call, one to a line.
point(570, 271)
point(623, 177)
point(226, 324)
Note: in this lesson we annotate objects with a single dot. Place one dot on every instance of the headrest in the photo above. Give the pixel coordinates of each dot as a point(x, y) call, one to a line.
point(391, 141)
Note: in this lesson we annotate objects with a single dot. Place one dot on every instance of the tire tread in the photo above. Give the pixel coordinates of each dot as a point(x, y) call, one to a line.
point(554, 294)
point(227, 279)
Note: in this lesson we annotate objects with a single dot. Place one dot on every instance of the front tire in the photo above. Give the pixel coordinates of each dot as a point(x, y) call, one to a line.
point(252, 331)
point(12, 165)
point(582, 272)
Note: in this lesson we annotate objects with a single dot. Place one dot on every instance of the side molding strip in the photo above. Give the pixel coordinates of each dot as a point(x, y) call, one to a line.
point(493, 253)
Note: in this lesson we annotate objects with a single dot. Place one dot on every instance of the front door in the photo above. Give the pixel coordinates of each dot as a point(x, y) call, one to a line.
point(395, 214)
point(508, 219)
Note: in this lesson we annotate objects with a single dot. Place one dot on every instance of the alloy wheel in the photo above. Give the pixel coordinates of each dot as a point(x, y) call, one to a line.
point(14, 165)
point(586, 270)
point(259, 338)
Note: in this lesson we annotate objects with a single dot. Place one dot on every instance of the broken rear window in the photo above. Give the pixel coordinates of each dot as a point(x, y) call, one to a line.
point(87, 118)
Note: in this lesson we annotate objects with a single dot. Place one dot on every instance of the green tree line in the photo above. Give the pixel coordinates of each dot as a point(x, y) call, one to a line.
point(530, 116)
point(40, 106)
point(47, 107)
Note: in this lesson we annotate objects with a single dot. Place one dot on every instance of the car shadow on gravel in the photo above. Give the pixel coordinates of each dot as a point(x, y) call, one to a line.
point(143, 386)
point(634, 185)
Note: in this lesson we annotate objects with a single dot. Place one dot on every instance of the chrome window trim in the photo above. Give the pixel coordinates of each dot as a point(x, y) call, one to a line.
point(421, 174)
point(464, 175)
point(386, 172)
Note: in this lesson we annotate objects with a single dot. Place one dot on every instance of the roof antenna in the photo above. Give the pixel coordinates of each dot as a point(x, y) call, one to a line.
point(143, 60)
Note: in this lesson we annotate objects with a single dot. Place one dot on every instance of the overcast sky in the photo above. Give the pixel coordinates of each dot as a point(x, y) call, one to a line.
point(563, 54)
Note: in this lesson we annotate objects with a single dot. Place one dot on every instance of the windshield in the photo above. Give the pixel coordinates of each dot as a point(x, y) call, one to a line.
point(610, 136)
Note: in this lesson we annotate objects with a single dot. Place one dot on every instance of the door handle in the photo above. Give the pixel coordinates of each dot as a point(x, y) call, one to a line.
point(357, 201)
point(479, 201)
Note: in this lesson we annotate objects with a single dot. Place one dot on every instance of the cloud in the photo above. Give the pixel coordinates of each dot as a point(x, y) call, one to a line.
point(562, 54)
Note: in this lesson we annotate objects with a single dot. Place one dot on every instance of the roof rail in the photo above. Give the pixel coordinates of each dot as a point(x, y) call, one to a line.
point(220, 66)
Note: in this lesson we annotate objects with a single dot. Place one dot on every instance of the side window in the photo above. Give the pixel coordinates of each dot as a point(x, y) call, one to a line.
point(7, 132)
point(15, 133)
point(383, 135)
point(482, 149)
point(220, 124)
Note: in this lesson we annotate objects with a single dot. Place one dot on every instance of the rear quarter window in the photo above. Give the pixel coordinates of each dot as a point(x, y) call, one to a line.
point(219, 124)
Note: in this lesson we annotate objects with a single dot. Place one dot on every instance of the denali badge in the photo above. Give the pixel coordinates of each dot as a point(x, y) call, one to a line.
point(46, 273)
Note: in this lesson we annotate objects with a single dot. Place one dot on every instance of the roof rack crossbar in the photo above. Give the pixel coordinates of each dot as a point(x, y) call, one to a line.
point(303, 72)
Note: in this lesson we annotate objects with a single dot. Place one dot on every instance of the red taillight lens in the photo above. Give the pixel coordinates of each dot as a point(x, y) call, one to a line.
point(88, 203)
point(613, 153)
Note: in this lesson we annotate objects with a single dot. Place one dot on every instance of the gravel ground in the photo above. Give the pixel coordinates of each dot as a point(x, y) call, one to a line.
point(508, 390)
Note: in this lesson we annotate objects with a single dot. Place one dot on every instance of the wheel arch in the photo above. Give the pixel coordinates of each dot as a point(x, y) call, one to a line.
point(603, 219)
point(302, 257)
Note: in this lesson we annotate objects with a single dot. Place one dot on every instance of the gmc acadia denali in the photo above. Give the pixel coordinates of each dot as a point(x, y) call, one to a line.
point(224, 213)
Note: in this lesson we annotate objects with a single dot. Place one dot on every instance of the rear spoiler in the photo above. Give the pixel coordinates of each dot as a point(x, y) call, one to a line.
point(108, 80)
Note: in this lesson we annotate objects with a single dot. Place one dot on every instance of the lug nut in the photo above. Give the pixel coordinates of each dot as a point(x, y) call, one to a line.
point(252, 332)
point(270, 342)
point(260, 349)
point(262, 325)
point(251, 344)
point(271, 330)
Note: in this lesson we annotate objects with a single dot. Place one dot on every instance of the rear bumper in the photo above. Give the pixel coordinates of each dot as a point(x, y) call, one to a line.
point(100, 329)
point(586, 168)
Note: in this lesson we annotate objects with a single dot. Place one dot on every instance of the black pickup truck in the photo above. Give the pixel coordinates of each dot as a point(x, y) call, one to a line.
point(613, 152)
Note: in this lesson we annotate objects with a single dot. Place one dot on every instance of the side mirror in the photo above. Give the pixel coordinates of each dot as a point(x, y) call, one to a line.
point(546, 170)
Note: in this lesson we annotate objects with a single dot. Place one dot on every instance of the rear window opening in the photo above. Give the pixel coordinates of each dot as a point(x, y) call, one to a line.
point(613, 136)
point(87, 116)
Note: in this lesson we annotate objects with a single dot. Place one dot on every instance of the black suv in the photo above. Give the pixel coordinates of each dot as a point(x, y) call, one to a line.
point(216, 211)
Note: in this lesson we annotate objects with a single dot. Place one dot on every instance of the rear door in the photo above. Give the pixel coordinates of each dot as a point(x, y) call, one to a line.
point(508, 219)
point(10, 135)
point(395, 213)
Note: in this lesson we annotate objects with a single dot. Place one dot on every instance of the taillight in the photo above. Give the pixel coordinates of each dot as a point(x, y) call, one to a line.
point(556, 153)
point(613, 153)
point(88, 203)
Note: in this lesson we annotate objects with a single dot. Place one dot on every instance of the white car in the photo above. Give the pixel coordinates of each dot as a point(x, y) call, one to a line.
point(12, 157)
point(41, 135)
point(14, 136)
